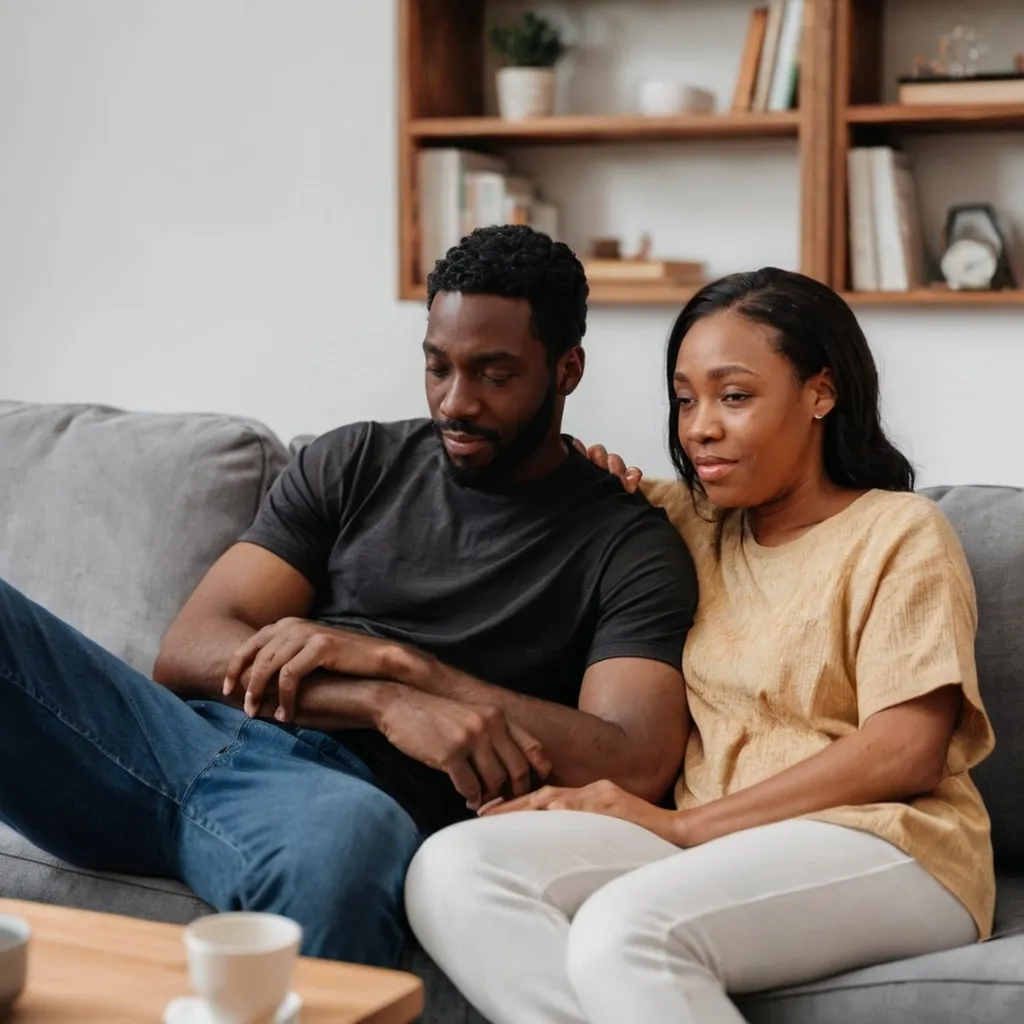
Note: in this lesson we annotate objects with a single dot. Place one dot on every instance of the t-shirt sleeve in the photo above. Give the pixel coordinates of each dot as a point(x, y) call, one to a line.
point(919, 634)
point(299, 519)
point(647, 596)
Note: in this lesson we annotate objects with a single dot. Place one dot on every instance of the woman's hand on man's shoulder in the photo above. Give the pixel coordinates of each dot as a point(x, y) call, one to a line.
point(629, 476)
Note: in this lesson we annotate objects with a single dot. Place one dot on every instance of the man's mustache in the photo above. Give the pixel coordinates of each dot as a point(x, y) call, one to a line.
point(462, 427)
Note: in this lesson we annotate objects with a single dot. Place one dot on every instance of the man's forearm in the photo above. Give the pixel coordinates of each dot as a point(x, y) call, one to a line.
point(194, 657)
point(581, 746)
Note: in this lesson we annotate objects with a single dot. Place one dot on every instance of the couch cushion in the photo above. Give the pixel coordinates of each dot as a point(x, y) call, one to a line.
point(110, 519)
point(990, 523)
point(27, 873)
point(980, 984)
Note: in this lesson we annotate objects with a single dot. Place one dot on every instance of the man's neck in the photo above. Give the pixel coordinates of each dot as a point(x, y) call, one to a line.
point(548, 459)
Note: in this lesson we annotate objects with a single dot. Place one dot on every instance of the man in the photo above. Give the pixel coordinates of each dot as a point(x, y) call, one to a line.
point(334, 659)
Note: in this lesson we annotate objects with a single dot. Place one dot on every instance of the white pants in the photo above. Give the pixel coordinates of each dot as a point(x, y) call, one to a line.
point(562, 917)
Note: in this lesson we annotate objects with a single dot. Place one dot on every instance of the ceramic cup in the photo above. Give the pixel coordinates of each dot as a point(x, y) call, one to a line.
point(14, 936)
point(241, 964)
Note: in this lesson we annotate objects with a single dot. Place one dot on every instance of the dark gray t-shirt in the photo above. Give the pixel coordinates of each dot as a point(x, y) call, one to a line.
point(524, 588)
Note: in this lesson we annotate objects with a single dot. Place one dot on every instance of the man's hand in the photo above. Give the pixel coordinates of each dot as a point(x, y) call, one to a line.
point(630, 476)
point(483, 754)
point(293, 648)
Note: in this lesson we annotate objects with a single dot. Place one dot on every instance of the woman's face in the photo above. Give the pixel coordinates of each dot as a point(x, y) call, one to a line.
point(745, 421)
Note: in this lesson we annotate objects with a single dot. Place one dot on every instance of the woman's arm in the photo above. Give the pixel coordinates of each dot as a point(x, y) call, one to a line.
point(897, 754)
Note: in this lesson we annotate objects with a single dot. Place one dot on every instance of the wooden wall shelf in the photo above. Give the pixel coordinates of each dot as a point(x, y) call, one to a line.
point(602, 294)
point(947, 116)
point(592, 128)
point(936, 297)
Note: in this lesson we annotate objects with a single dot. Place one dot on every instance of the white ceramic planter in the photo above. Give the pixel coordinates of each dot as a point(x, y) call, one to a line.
point(526, 92)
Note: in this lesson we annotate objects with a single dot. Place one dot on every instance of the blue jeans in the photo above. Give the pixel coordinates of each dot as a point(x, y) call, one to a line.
point(108, 770)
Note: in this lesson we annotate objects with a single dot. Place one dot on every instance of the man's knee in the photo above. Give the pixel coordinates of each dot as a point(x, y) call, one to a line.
point(341, 873)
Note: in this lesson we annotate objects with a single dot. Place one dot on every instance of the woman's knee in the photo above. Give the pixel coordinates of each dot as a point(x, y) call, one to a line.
point(445, 870)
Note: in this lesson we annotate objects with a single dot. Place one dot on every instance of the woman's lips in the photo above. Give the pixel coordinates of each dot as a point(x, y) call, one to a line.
point(712, 470)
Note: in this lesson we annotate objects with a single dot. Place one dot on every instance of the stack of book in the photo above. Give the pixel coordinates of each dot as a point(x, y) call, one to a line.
point(771, 58)
point(460, 190)
point(939, 89)
point(644, 272)
point(886, 247)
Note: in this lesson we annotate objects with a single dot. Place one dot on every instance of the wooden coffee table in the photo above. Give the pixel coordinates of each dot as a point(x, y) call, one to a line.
point(86, 968)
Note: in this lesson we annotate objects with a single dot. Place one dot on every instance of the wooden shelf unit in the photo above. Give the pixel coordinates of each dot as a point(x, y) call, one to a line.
point(861, 116)
point(441, 103)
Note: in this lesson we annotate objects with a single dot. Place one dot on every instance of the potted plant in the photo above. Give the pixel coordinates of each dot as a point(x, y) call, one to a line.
point(530, 49)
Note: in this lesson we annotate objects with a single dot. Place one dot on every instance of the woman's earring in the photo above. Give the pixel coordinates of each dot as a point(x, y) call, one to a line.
point(818, 415)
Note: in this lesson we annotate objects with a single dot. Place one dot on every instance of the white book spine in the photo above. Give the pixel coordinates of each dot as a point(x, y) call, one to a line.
point(863, 254)
point(892, 260)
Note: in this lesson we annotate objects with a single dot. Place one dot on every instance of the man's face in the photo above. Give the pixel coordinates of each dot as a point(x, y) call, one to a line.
point(492, 395)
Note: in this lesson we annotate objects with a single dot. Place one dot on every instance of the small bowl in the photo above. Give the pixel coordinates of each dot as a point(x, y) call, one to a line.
point(14, 938)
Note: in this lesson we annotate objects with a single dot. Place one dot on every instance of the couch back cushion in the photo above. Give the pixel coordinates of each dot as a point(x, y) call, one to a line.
point(990, 522)
point(110, 519)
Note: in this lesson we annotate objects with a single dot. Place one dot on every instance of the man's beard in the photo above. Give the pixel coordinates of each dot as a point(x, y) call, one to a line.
point(508, 455)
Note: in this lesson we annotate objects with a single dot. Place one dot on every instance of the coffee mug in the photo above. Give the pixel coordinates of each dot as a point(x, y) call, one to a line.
point(241, 964)
point(14, 936)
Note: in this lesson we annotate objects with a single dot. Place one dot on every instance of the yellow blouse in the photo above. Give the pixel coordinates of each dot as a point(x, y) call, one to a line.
point(797, 645)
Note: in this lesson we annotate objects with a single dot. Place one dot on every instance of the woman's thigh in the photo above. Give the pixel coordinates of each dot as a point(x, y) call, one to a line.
point(561, 857)
point(774, 906)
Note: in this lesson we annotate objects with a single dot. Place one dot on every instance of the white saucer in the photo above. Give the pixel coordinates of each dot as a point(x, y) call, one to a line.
point(193, 1010)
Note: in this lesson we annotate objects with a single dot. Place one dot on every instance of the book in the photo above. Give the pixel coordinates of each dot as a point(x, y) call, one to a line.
point(443, 203)
point(782, 92)
point(743, 97)
point(773, 27)
point(898, 242)
point(644, 271)
point(1007, 88)
point(863, 253)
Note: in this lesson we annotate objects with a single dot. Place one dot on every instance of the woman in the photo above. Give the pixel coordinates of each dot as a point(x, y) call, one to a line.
point(824, 819)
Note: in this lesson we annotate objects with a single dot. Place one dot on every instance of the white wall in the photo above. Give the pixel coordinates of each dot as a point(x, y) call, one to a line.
point(197, 211)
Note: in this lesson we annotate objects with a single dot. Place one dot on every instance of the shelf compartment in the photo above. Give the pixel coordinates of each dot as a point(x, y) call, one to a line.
point(601, 128)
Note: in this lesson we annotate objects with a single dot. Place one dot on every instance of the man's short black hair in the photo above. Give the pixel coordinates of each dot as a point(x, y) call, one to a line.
point(516, 262)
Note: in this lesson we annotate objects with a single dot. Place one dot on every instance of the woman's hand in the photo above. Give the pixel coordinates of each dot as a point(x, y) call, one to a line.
point(630, 476)
point(602, 797)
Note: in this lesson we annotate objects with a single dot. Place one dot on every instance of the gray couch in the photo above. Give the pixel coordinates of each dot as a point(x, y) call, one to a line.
point(110, 519)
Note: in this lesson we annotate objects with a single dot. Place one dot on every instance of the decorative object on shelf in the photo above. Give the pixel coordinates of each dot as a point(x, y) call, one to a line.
point(606, 249)
point(954, 75)
point(658, 98)
point(957, 55)
point(974, 256)
point(530, 49)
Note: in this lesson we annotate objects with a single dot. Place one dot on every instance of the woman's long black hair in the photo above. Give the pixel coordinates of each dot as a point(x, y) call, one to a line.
point(814, 329)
